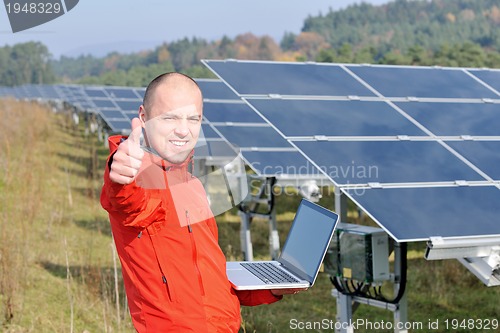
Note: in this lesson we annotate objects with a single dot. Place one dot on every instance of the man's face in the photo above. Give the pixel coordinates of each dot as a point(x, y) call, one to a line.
point(173, 122)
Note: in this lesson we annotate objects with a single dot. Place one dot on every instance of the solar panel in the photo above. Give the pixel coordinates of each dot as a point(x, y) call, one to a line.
point(111, 114)
point(103, 103)
point(363, 162)
point(423, 82)
point(334, 118)
point(281, 164)
point(225, 112)
point(414, 147)
point(417, 214)
point(122, 93)
point(215, 90)
point(253, 137)
point(129, 105)
point(118, 125)
point(490, 77)
point(95, 92)
point(484, 154)
point(209, 132)
point(250, 78)
point(454, 118)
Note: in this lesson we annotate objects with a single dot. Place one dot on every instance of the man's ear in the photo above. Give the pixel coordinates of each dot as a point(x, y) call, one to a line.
point(142, 115)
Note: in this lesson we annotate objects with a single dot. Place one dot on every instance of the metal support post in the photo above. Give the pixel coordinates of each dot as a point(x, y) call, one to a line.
point(274, 239)
point(340, 204)
point(401, 312)
point(344, 314)
point(249, 210)
point(246, 237)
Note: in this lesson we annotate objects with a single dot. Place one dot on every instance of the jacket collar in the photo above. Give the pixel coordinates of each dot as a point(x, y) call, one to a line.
point(155, 158)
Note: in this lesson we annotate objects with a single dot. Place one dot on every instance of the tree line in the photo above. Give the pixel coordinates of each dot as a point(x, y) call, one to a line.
point(456, 33)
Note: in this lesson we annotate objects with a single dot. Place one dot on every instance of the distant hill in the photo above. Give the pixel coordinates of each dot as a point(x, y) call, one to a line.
point(456, 33)
point(402, 24)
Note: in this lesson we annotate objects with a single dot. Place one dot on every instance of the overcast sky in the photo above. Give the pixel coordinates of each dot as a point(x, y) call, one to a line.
point(99, 27)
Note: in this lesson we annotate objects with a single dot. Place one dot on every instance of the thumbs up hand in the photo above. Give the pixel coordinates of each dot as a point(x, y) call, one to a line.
point(128, 157)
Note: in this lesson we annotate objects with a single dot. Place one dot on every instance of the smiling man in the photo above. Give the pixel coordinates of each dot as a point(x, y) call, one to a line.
point(166, 236)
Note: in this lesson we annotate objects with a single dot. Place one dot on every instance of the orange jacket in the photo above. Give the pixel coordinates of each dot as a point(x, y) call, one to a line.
point(173, 269)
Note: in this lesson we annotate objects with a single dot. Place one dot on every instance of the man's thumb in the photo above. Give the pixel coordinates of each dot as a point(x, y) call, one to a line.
point(135, 134)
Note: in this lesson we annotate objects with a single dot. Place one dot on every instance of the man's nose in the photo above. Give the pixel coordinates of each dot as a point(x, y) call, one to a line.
point(181, 129)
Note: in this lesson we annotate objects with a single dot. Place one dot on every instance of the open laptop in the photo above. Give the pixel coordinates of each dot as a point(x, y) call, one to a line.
point(300, 260)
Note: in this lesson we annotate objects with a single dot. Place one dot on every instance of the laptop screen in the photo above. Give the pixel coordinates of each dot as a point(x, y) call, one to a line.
point(308, 239)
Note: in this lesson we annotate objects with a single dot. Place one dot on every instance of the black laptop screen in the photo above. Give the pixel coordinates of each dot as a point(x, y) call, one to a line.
point(308, 239)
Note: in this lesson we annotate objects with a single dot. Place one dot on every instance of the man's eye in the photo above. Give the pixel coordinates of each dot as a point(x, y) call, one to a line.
point(194, 119)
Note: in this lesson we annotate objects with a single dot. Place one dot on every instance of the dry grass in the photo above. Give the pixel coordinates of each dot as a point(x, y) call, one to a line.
point(55, 246)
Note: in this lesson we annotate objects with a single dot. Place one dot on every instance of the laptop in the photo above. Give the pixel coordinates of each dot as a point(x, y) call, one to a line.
point(300, 260)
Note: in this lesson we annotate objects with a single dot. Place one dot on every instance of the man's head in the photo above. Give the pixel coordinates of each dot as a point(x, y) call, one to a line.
point(171, 115)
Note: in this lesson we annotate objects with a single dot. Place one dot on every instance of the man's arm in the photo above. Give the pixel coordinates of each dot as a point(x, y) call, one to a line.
point(120, 195)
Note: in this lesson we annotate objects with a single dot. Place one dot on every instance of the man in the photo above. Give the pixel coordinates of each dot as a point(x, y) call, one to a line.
point(166, 237)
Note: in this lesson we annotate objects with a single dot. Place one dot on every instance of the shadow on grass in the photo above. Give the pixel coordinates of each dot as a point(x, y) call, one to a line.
point(99, 280)
point(102, 226)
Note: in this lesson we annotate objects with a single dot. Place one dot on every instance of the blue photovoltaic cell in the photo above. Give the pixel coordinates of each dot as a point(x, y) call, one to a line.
point(483, 154)
point(412, 214)
point(103, 103)
point(249, 137)
point(141, 92)
point(208, 132)
point(214, 149)
point(491, 77)
point(335, 118)
point(288, 78)
point(7, 92)
point(455, 119)
point(119, 125)
point(48, 91)
point(111, 114)
point(122, 93)
point(95, 93)
point(130, 115)
point(129, 105)
point(215, 89)
point(421, 82)
point(361, 162)
point(290, 163)
point(230, 112)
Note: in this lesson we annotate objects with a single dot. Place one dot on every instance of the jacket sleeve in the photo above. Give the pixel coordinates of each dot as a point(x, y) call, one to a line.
point(130, 204)
point(256, 297)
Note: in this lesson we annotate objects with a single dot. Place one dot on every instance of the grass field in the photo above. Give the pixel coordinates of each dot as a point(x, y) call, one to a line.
point(59, 272)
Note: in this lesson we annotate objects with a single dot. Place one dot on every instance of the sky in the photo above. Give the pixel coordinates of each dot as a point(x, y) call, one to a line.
point(99, 27)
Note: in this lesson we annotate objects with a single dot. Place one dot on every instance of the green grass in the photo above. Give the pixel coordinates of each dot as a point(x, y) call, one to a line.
point(57, 269)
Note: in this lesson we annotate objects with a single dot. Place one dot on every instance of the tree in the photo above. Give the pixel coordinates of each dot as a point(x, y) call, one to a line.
point(25, 63)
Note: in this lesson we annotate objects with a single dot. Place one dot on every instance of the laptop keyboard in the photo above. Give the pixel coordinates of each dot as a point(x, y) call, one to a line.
point(268, 272)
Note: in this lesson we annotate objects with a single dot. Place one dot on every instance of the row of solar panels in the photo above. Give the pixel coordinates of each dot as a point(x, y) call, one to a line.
point(412, 146)
point(116, 106)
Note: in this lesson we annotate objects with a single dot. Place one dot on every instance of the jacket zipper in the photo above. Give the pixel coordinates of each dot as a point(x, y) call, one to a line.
point(195, 256)
point(170, 293)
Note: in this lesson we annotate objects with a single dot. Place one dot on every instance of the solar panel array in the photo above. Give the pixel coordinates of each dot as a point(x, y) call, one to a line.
point(415, 147)
point(117, 106)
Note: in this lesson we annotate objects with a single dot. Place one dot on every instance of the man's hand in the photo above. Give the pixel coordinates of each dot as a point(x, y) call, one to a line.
point(128, 157)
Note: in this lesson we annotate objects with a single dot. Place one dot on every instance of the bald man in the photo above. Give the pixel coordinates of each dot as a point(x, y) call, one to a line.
point(166, 236)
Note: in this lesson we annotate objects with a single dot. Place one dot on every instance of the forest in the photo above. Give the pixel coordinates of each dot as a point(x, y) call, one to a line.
point(454, 33)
